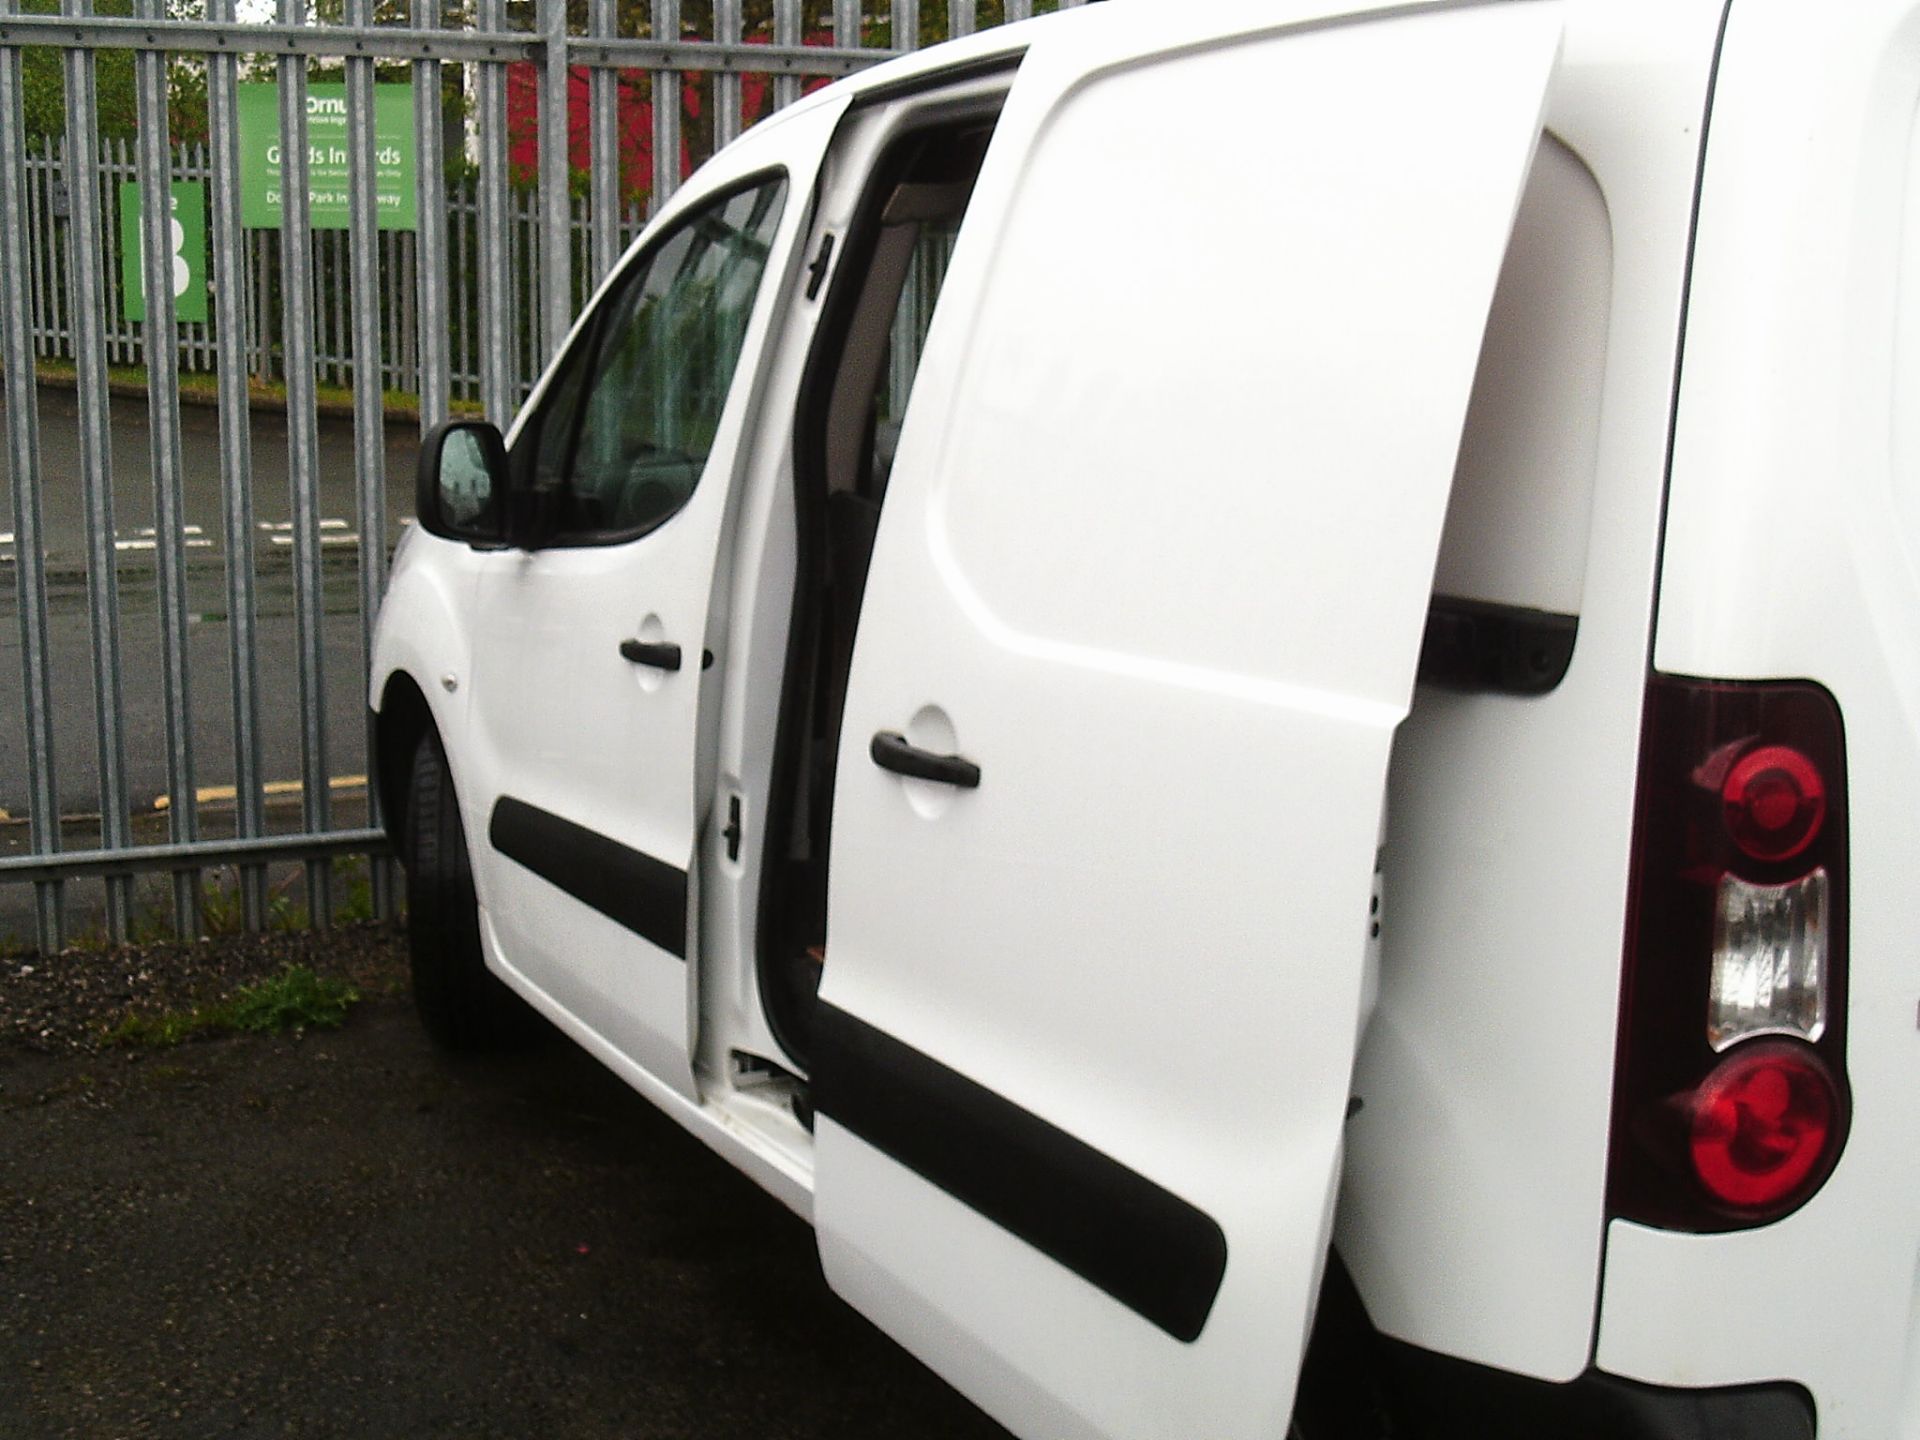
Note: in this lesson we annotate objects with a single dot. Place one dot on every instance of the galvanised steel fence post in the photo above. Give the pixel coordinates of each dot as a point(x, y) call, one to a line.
point(369, 400)
point(161, 345)
point(605, 182)
point(556, 245)
point(86, 250)
point(303, 445)
point(23, 460)
point(497, 389)
point(666, 110)
point(230, 274)
point(430, 241)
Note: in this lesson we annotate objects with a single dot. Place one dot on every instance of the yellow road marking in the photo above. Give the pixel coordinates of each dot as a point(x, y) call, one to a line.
point(215, 794)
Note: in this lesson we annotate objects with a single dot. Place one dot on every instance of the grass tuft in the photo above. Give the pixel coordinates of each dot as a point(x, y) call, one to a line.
point(296, 999)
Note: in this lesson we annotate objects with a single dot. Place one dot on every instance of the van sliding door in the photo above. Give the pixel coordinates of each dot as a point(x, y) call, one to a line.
point(1143, 614)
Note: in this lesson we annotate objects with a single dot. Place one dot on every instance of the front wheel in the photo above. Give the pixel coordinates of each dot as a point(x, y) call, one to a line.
point(462, 1004)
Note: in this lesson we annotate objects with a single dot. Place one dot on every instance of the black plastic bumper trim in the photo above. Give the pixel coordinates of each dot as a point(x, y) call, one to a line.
point(1447, 1399)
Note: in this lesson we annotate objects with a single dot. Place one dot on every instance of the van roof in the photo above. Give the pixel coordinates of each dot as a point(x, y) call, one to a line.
point(1006, 41)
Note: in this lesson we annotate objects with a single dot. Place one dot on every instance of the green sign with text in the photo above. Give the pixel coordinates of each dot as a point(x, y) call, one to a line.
point(189, 235)
point(393, 156)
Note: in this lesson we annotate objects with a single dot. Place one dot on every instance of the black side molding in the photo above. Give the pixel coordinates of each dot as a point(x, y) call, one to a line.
point(1470, 645)
point(1155, 1253)
point(646, 895)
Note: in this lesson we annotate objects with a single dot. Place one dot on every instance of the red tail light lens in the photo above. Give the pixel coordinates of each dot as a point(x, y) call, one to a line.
point(1761, 1125)
point(1730, 1095)
point(1775, 801)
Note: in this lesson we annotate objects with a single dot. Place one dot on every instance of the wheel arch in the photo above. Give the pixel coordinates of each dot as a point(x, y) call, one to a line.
point(404, 719)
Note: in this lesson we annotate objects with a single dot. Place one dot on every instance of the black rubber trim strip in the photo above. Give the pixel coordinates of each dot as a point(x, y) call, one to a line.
point(1155, 1253)
point(1470, 645)
point(646, 895)
point(1006, 61)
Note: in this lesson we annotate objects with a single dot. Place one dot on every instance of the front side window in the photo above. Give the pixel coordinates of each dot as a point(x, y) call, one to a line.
point(626, 430)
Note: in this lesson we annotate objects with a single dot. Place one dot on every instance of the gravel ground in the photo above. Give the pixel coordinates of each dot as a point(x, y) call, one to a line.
point(349, 1233)
point(67, 1003)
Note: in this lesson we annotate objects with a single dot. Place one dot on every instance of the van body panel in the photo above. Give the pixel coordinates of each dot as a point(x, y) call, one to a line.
point(1487, 1070)
point(1156, 554)
point(1792, 553)
point(424, 629)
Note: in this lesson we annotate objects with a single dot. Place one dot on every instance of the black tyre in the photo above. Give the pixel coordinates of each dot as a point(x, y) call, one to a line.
point(462, 1004)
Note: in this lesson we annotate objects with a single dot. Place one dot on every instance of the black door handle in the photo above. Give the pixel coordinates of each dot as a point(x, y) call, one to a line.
point(890, 751)
point(660, 654)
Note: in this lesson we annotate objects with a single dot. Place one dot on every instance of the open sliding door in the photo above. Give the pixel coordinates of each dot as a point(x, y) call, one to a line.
point(1143, 615)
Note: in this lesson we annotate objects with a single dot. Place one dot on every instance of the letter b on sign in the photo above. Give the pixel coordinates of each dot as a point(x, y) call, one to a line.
point(188, 233)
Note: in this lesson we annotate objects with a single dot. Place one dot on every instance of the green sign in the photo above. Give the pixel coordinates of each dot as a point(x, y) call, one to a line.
point(189, 251)
point(260, 168)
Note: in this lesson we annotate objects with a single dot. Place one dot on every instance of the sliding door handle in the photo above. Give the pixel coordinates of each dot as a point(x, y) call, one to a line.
point(890, 751)
point(660, 654)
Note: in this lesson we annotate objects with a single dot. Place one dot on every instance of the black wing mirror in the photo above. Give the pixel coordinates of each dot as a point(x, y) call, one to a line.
point(460, 489)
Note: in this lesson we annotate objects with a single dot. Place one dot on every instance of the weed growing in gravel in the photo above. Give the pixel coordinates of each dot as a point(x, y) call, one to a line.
point(223, 909)
point(295, 999)
point(151, 924)
point(355, 903)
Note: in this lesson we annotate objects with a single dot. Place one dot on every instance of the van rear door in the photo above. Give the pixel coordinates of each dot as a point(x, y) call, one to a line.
point(1143, 614)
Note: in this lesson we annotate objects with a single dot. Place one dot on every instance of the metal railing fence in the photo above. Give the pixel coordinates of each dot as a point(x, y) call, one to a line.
point(484, 287)
point(50, 283)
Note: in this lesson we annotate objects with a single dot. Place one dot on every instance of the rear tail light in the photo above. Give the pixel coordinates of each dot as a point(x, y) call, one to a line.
point(1730, 1102)
point(1761, 1125)
point(1775, 800)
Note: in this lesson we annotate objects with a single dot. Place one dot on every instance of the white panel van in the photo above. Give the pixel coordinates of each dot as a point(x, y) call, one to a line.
point(1237, 687)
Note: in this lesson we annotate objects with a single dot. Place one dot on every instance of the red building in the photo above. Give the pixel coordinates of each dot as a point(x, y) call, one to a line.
point(633, 110)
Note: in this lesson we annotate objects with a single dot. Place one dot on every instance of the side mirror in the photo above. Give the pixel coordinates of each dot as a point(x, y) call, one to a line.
point(460, 487)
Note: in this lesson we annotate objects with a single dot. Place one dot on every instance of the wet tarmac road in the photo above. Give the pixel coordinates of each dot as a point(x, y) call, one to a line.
point(352, 1235)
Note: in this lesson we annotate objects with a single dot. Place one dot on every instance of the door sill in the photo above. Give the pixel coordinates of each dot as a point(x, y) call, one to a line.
point(757, 1106)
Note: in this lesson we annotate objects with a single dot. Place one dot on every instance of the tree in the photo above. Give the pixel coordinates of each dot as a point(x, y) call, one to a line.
point(43, 83)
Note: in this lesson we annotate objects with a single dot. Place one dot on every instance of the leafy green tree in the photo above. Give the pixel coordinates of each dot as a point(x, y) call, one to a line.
point(43, 83)
point(44, 91)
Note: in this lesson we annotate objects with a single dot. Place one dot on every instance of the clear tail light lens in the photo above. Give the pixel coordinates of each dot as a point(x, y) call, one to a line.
point(1769, 960)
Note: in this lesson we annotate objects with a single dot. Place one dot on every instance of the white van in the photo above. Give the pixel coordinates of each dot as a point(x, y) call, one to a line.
point(1327, 745)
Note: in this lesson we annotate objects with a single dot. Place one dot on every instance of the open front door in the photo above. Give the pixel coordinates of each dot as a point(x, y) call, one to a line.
point(1142, 617)
point(587, 758)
